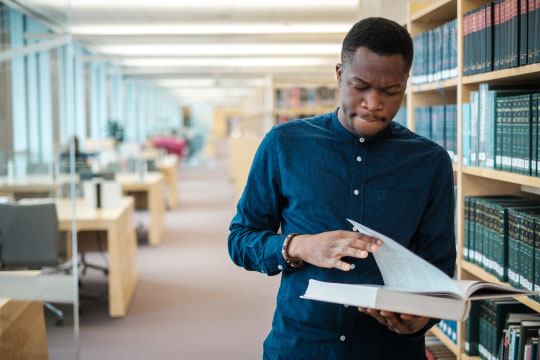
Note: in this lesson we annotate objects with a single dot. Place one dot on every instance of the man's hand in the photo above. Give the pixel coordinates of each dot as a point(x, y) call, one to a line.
point(399, 323)
point(326, 249)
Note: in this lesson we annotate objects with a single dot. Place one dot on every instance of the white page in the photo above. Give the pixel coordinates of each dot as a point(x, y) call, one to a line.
point(402, 269)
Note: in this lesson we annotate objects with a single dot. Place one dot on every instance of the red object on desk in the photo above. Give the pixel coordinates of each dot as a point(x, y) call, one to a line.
point(171, 144)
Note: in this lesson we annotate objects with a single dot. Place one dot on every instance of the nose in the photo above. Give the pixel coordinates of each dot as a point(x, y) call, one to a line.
point(372, 101)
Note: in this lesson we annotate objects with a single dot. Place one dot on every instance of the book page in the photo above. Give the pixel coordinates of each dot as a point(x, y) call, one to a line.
point(402, 269)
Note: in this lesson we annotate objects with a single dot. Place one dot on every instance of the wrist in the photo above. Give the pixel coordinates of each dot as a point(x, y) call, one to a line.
point(295, 248)
point(293, 261)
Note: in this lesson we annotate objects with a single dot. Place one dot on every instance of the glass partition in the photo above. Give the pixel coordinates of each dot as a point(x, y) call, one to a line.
point(39, 274)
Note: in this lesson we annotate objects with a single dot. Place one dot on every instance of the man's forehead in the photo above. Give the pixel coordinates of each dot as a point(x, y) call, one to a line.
point(365, 63)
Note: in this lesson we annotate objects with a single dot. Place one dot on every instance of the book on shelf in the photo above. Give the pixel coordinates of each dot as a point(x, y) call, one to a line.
point(439, 124)
point(411, 285)
point(501, 34)
point(520, 337)
point(449, 328)
point(502, 129)
point(493, 237)
point(492, 320)
point(435, 54)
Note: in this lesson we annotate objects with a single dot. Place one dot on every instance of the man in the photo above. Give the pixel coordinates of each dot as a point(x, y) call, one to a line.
point(309, 176)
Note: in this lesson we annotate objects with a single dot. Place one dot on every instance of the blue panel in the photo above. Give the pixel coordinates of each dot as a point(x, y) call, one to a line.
point(18, 85)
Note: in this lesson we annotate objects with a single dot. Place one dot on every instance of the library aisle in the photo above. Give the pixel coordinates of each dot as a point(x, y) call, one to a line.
point(191, 302)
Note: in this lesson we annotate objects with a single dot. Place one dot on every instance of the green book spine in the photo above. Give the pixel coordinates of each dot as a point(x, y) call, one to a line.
point(472, 329)
point(523, 42)
point(467, 227)
point(499, 138)
point(513, 241)
point(536, 121)
point(536, 236)
point(527, 252)
point(530, 31)
point(534, 136)
point(497, 35)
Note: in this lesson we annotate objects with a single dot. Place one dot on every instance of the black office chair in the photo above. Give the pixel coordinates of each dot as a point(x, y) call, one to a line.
point(29, 239)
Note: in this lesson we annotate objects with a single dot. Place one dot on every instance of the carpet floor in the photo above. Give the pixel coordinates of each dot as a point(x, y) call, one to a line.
point(191, 301)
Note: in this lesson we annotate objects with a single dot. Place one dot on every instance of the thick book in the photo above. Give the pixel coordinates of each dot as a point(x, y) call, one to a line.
point(411, 285)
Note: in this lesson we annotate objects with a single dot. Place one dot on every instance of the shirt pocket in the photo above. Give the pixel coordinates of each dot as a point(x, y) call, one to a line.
point(398, 213)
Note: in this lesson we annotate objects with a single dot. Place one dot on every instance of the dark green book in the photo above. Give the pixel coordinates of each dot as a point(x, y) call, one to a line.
point(523, 28)
point(472, 329)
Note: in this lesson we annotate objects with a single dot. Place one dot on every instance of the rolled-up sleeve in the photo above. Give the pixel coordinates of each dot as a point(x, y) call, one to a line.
point(254, 242)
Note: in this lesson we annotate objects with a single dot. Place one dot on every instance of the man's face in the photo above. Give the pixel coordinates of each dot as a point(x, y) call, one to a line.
point(372, 88)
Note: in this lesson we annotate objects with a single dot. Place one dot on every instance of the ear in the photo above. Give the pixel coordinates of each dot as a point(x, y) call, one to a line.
point(339, 70)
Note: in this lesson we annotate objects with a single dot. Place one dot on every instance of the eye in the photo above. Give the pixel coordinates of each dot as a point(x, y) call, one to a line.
point(391, 93)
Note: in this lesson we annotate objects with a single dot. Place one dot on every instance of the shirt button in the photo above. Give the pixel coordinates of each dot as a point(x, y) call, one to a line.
point(353, 228)
point(358, 158)
point(342, 338)
point(353, 266)
point(361, 139)
point(356, 192)
point(280, 267)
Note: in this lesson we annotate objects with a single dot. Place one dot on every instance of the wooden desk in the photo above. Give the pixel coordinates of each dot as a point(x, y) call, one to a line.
point(33, 184)
point(121, 245)
point(152, 185)
point(22, 330)
point(168, 166)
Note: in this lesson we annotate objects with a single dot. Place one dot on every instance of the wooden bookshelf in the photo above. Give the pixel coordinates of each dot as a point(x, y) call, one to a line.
point(304, 110)
point(437, 11)
point(485, 276)
point(523, 74)
point(503, 176)
point(427, 15)
point(435, 86)
point(439, 334)
point(467, 357)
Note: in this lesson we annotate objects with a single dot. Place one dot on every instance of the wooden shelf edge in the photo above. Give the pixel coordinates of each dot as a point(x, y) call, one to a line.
point(438, 333)
point(418, 15)
point(316, 110)
point(434, 86)
point(502, 74)
point(502, 176)
point(467, 357)
point(484, 275)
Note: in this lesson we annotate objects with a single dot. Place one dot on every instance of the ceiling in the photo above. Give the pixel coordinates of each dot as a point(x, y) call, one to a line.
point(233, 40)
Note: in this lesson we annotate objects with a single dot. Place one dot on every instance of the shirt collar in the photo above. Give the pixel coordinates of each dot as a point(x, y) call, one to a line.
point(341, 130)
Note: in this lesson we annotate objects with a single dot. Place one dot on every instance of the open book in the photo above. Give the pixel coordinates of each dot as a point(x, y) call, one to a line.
point(412, 286)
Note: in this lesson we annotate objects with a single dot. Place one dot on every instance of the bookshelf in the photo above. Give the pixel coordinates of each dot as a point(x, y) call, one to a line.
point(445, 340)
point(470, 181)
point(298, 100)
point(435, 86)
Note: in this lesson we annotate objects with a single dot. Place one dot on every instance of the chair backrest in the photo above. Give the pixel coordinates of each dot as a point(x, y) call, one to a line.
point(29, 235)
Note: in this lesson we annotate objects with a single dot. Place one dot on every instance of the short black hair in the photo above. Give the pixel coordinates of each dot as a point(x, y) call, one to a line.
point(380, 35)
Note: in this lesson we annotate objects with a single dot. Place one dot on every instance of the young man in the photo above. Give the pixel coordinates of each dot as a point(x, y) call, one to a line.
point(309, 176)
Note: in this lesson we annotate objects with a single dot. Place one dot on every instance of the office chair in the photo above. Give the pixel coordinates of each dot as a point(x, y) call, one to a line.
point(29, 238)
point(64, 192)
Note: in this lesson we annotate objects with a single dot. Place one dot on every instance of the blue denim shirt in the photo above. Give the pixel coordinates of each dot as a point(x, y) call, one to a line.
point(308, 176)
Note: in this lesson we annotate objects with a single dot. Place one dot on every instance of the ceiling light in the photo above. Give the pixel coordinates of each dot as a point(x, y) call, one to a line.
point(203, 4)
point(206, 29)
point(222, 49)
point(230, 62)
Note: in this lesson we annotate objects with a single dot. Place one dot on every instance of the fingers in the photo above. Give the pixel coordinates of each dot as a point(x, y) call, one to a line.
point(388, 319)
point(361, 241)
point(408, 317)
point(342, 265)
point(366, 242)
point(354, 252)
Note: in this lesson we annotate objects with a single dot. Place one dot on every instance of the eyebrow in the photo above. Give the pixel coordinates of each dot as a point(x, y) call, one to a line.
point(356, 78)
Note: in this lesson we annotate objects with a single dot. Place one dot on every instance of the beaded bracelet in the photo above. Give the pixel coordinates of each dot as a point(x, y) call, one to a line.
point(285, 252)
